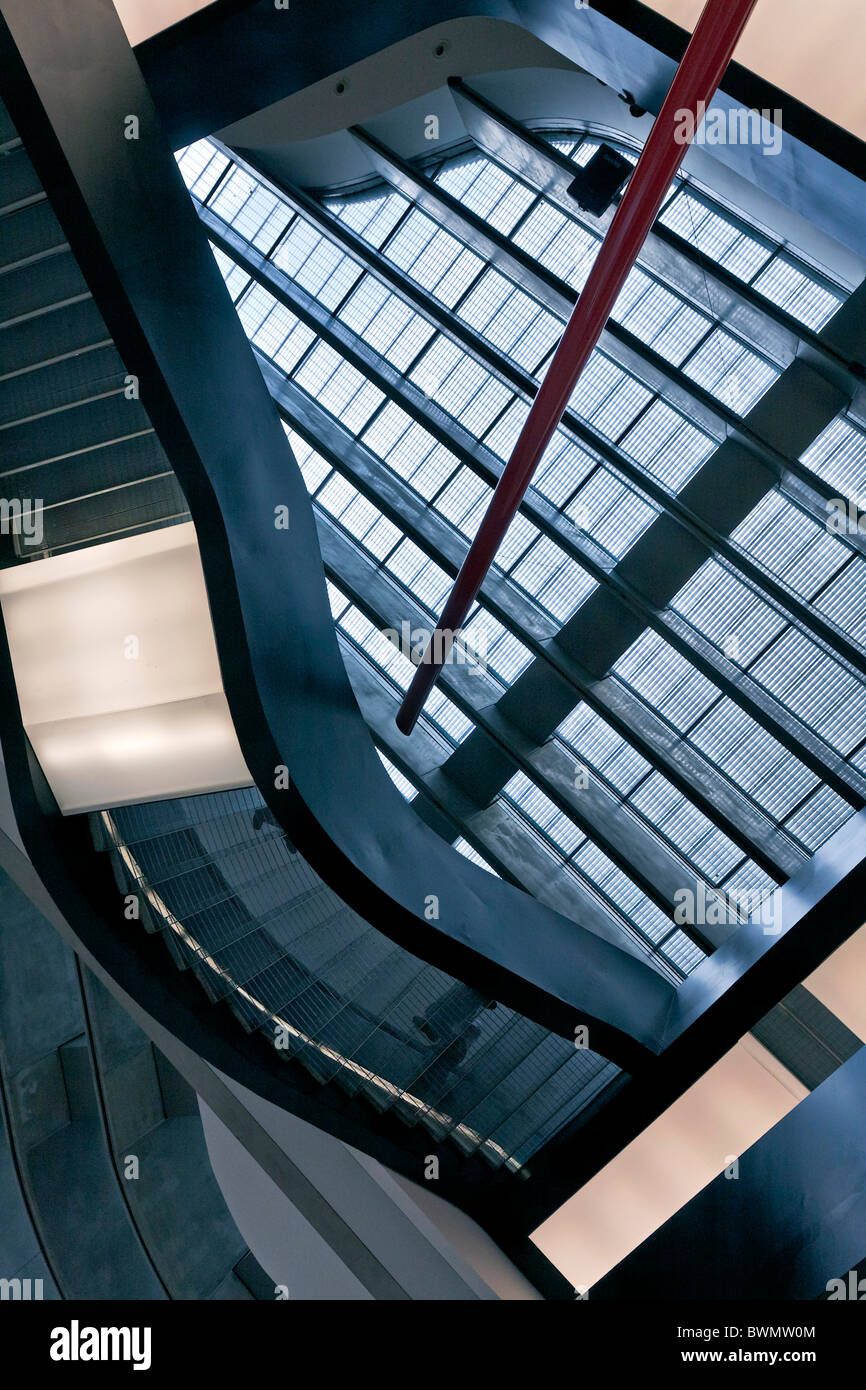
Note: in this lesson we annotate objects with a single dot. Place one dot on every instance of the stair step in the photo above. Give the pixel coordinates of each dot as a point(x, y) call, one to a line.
point(32, 231)
point(19, 183)
point(35, 287)
point(7, 129)
point(34, 342)
point(72, 430)
point(73, 378)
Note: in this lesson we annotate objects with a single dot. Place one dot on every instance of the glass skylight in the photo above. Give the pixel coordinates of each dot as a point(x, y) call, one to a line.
point(587, 482)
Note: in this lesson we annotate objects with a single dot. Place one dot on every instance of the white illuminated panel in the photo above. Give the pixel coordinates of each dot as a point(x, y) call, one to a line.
point(840, 983)
point(813, 52)
point(143, 18)
point(117, 672)
point(730, 1108)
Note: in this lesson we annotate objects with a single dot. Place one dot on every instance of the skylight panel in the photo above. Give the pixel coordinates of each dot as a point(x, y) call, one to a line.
point(421, 575)
point(403, 785)
point(728, 613)
point(459, 385)
point(463, 847)
point(337, 386)
point(490, 193)
point(660, 319)
point(582, 152)
point(591, 738)
point(410, 451)
point(816, 688)
point(792, 667)
point(236, 280)
point(715, 235)
point(495, 646)
point(464, 501)
point(838, 456)
point(503, 436)
point(665, 680)
point(517, 539)
point(730, 371)
point(564, 466)
point(386, 323)
point(389, 426)
point(754, 760)
point(611, 512)
point(595, 744)
point(790, 545)
point(314, 468)
point(432, 257)
point(694, 835)
point(819, 818)
point(558, 583)
point(682, 952)
point(327, 273)
point(623, 892)
point(273, 329)
point(844, 601)
point(201, 166)
point(456, 175)
point(254, 308)
point(373, 217)
point(261, 218)
point(600, 377)
point(539, 809)
point(797, 293)
point(232, 194)
point(447, 716)
point(360, 518)
point(486, 299)
point(297, 246)
point(293, 347)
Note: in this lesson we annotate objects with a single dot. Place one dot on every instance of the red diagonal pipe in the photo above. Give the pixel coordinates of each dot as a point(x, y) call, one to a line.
point(699, 74)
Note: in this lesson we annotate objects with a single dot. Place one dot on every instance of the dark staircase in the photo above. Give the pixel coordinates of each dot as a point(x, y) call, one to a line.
point(266, 938)
point(75, 442)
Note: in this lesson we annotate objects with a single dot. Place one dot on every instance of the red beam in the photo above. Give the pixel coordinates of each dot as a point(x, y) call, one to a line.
point(696, 80)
